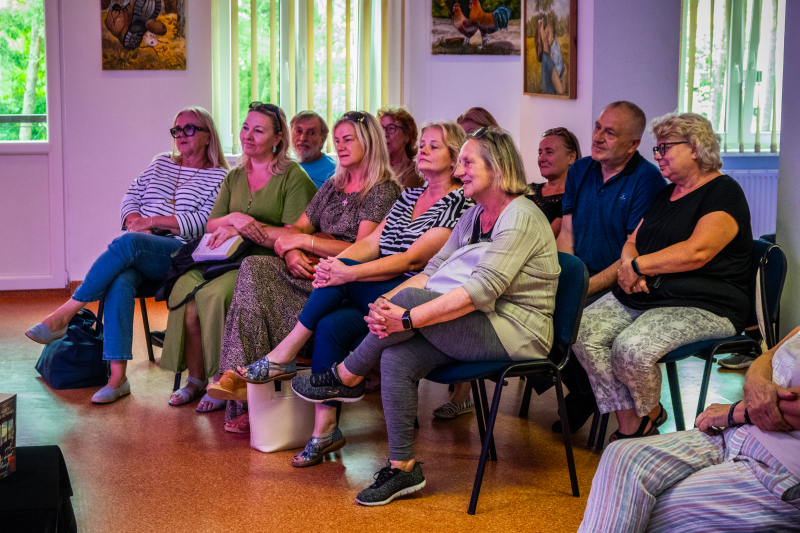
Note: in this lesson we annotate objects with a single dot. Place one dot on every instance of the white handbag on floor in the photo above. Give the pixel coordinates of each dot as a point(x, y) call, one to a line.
point(279, 420)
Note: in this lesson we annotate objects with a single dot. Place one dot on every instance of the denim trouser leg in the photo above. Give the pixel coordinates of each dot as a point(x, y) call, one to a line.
point(336, 335)
point(129, 260)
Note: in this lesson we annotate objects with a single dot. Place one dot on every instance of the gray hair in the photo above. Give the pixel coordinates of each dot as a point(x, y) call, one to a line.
point(694, 129)
point(306, 115)
point(636, 129)
point(497, 149)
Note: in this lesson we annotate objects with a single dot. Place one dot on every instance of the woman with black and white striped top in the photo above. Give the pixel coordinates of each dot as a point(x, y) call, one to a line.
point(417, 226)
point(166, 206)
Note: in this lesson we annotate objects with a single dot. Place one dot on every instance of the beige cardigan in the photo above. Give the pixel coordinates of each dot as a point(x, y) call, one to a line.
point(515, 281)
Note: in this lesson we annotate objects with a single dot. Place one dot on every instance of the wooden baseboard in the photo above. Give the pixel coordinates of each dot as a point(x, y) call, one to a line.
point(66, 292)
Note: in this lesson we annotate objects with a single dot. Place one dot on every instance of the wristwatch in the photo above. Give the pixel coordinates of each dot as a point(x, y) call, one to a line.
point(635, 267)
point(407, 325)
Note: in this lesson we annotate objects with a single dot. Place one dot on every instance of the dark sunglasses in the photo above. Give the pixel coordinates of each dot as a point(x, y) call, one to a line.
point(188, 130)
point(355, 116)
point(663, 147)
point(565, 133)
point(480, 133)
point(266, 109)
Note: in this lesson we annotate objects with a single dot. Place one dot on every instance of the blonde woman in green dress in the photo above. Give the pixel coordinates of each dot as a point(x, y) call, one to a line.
point(259, 199)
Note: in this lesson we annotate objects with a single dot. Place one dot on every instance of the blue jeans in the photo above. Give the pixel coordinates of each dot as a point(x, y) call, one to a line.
point(336, 316)
point(129, 261)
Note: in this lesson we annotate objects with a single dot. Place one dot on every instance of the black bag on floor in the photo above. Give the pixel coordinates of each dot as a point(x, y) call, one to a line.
point(76, 360)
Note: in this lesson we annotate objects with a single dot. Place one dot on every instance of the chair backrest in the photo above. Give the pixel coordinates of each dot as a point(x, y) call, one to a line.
point(768, 273)
point(573, 284)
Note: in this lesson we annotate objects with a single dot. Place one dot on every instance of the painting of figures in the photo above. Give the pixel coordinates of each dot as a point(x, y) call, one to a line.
point(486, 27)
point(143, 34)
point(550, 59)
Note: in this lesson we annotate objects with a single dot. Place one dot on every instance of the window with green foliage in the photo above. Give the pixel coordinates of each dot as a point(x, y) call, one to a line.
point(23, 87)
point(732, 53)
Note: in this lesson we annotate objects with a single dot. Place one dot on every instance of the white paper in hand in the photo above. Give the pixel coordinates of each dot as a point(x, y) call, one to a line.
point(223, 251)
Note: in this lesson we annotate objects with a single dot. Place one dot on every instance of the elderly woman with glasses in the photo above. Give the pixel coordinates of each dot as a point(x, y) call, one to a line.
point(270, 291)
point(165, 207)
point(492, 301)
point(400, 130)
point(558, 149)
point(683, 278)
point(259, 199)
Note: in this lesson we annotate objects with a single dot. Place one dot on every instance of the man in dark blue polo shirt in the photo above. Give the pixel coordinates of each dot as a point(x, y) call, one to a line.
point(604, 199)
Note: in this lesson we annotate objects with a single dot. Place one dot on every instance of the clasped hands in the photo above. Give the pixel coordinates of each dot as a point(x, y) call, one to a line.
point(384, 318)
point(331, 272)
point(629, 280)
point(139, 224)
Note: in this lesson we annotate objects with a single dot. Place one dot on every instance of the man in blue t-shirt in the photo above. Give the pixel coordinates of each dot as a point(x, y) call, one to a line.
point(604, 199)
point(309, 133)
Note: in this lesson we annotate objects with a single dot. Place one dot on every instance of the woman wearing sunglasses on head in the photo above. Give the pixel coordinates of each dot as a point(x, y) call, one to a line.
point(271, 291)
point(683, 278)
point(264, 195)
point(165, 207)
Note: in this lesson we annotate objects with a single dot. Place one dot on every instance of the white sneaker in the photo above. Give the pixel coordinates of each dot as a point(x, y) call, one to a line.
point(110, 394)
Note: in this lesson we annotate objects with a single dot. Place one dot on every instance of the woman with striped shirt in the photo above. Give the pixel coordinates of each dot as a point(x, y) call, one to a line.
point(417, 226)
point(165, 207)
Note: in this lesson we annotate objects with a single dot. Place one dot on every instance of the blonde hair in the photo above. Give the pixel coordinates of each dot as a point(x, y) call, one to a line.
point(214, 152)
point(694, 129)
point(479, 116)
point(453, 135)
point(499, 153)
point(376, 156)
point(280, 159)
point(408, 124)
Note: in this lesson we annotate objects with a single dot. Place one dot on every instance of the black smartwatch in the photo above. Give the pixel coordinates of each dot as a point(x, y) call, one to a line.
point(635, 267)
point(407, 324)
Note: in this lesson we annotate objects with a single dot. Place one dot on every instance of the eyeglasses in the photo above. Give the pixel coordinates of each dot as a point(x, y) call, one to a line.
point(188, 130)
point(266, 109)
point(664, 147)
point(355, 116)
point(566, 134)
point(391, 129)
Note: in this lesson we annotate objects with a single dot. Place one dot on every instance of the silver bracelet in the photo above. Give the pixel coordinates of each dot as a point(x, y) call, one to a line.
point(312, 243)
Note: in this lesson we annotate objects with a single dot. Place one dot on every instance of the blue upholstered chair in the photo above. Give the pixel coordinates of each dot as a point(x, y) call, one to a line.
point(573, 284)
point(768, 271)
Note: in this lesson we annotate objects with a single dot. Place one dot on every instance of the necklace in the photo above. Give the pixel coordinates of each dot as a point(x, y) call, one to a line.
point(178, 185)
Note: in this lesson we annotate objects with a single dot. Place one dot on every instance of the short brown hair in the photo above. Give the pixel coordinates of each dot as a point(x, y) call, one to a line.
point(408, 124)
point(479, 116)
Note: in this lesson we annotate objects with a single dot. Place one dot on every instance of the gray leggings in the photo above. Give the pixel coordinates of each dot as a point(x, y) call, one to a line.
point(408, 356)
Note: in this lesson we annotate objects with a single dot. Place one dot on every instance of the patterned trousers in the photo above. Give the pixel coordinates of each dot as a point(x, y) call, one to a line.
point(689, 481)
point(619, 347)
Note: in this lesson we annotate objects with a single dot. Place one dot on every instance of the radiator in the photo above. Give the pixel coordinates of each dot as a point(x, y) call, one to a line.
point(761, 190)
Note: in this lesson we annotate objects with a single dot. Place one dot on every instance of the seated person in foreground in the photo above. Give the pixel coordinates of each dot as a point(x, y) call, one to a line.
point(259, 199)
point(683, 278)
point(309, 133)
point(271, 291)
point(165, 207)
point(416, 228)
point(401, 134)
point(498, 306)
point(739, 470)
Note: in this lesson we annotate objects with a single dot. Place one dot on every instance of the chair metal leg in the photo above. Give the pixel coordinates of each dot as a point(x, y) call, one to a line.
point(478, 409)
point(701, 402)
point(601, 434)
point(485, 402)
point(338, 411)
point(562, 409)
point(487, 443)
point(177, 384)
point(526, 398)
point(593, 429)
point(675, 393)
point(147, 330)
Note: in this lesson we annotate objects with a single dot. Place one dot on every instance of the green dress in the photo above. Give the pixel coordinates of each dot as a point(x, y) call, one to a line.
point(280, 202)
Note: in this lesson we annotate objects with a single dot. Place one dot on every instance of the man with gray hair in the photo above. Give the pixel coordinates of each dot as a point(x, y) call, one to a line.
point(309, 133)
point(604, 199)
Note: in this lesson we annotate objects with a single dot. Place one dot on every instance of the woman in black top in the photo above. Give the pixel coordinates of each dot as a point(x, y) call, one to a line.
point(558, 149)
point(683, 277)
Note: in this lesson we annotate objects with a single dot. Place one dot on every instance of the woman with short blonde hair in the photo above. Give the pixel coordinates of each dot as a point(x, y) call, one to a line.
point(694, 129)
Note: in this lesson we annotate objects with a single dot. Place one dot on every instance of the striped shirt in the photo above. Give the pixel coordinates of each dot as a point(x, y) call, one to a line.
point(194, 191)
point(400, 232)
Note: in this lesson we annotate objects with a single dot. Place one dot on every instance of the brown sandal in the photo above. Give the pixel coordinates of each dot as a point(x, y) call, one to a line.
point(231, 386)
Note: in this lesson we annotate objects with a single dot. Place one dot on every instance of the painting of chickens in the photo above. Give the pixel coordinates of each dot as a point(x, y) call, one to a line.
point(143, 34)
point(485, 27)
point(550, 60)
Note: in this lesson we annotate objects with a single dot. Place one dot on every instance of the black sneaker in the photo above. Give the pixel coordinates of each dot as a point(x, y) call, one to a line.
point(325, 386)
point(391, 483)
point(579, 409)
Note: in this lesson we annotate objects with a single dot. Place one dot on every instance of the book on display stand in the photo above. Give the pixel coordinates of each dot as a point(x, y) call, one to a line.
point(8, 425)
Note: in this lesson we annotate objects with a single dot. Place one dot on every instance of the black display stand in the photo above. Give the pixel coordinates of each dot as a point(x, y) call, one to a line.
point(36, 498)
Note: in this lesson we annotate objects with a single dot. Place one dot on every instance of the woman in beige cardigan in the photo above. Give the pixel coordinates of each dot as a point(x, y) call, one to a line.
point(501, 311)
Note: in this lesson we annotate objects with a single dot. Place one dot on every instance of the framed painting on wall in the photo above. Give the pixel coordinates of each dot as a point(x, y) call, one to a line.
point(476, 27)
point(143, 34)
point(550, 60)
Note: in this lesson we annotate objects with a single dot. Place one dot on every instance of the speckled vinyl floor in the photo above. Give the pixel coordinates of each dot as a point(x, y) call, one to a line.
point(140, 465)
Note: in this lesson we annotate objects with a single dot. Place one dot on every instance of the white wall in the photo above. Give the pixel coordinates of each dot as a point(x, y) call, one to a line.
point(116, 121)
